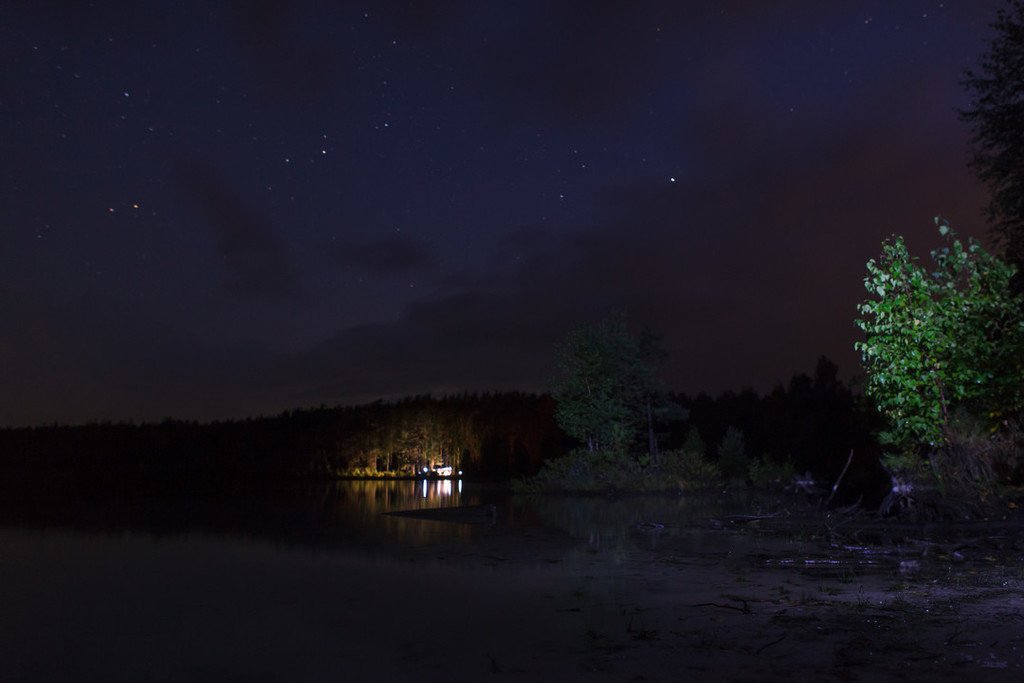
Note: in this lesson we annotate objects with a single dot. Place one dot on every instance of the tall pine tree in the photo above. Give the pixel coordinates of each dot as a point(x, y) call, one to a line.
point(996, 117)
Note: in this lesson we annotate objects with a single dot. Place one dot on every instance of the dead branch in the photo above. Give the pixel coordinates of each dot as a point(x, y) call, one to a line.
point(835, 486)
point(768, 645)
point(745, 609)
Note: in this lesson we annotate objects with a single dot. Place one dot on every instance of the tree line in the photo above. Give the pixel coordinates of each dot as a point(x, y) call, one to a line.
point(812, 422)
point(489, 436)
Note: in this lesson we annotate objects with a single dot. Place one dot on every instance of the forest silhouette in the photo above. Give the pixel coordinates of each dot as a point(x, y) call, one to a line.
point(813, 422)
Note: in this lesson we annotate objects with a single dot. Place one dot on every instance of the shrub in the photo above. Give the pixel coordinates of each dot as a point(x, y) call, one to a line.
point(583, 471)
point(691, 470)
point(732, 456)
point(766, 473)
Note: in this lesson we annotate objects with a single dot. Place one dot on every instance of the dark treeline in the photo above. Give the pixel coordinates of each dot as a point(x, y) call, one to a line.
point(814, 422)
point(491, 436)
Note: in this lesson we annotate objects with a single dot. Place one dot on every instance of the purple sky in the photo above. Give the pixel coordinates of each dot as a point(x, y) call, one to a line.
point(221, 209)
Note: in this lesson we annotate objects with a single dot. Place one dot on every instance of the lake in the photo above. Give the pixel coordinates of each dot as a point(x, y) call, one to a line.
point(317, 583)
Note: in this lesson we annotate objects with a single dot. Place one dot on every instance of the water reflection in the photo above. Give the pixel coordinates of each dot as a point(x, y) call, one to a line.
point(355, 514)
point(306, 583)
point(210, 607)
point(311, 513)
point(359, 509)
point(441, 488)
point(626, 526)
point(342, 512)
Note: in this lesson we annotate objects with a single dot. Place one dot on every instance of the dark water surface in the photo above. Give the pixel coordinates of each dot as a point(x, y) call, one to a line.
point(318, 583)
point(309, 583)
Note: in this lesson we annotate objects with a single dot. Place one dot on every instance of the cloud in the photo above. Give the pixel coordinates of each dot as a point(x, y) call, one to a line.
point(386, 257)
point(283, 60)
point(97, 359)
point(748, 281)
point(257, 262)
point(589, 62)
point(751, 271)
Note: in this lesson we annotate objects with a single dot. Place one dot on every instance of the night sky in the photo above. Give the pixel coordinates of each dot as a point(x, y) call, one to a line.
point(215, 210)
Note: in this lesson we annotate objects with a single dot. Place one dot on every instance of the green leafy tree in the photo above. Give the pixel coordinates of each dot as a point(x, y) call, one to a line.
point(605, 386)
point(996, 117)
point(942, 340)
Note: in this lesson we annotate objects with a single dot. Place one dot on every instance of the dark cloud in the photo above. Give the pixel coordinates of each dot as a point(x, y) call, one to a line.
point(386, 257)
point(750, 273)
point(583, 61)
point(749, 277)
point(418, 20)
point(75, 18)
point(527, 145)
point(283, 60)
point(116, 360)
point(257, 261)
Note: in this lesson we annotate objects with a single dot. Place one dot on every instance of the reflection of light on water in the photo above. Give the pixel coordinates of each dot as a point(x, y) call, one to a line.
point(441, 488)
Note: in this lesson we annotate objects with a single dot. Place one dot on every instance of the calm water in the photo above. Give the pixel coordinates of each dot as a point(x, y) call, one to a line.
point(317, 583)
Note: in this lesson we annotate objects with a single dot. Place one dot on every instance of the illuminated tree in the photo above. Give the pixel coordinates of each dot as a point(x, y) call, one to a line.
point(941, 340)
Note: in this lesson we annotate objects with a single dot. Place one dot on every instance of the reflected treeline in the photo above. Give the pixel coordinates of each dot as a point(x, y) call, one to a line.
point(630, 523)
point(321, 514)
point(491, 436)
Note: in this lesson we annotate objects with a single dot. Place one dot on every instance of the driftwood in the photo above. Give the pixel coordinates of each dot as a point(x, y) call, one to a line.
point(745, 519)
point(745, 609)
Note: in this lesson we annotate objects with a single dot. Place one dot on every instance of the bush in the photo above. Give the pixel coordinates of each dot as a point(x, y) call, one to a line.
point(691, 470)
point(583, 471)
point(732, 456)
point(765, 473)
